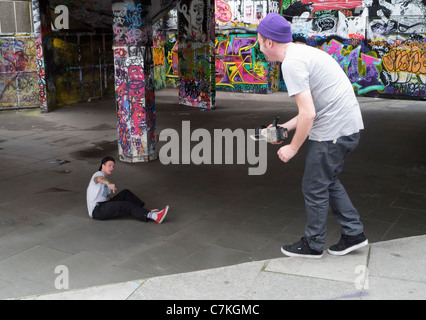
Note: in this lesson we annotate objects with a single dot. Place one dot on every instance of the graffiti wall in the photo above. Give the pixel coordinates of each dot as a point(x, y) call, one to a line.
point(195, 50)
point(159, 56)
point(240, 66)
point(18, 73)
point(81, 65)
point(134, 82)
point(380, 44)
point(171, 49)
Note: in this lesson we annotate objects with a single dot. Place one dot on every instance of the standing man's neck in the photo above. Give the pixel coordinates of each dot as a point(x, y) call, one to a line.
point(282, 50)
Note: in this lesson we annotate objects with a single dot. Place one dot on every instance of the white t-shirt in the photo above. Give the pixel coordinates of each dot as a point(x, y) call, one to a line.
point(337, 109)
point(96, 192)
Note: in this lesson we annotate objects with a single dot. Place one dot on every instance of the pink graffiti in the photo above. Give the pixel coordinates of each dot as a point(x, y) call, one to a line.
point(333, 4)
point(136, 96)
point(236, 66)
point(223, 11)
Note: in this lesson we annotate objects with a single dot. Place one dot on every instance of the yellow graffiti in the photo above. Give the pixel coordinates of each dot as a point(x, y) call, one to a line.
point(398, 60)
point(259, 69)
point(158, 56)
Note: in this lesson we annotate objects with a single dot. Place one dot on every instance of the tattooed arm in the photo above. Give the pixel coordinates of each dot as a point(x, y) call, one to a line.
point(105, 181)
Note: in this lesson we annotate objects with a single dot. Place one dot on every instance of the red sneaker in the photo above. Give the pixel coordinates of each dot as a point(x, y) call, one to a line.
point(161, 214)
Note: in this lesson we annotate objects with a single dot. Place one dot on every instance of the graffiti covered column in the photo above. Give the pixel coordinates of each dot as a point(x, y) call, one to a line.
point(196, 29)
point(44, 51)
point(134, 80)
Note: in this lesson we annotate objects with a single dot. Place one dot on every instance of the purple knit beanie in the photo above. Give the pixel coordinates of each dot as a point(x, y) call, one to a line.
point(275, 27)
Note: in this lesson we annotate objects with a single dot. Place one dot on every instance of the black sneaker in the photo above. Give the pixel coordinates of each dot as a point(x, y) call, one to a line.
point(301, 249)
point(348, 244)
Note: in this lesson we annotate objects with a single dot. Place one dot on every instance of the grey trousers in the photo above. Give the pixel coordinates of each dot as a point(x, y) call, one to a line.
point(322, 189)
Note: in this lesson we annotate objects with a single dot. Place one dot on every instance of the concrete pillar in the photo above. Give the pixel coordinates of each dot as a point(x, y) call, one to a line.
point(196, 36)
point(44, 54)
point(134, 80)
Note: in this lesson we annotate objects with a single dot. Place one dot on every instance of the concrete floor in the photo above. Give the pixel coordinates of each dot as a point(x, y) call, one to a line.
point(219, 215)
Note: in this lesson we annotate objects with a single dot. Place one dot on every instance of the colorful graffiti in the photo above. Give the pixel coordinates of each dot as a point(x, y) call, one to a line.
point(363, 44)
point(352, 61)
point(172, 66)
point(195, 77)
point(43, 90)
point(238, 63)
point(380, 44)
point(195, 52)
point(159, 58)
point(404, 67)
point(134, 82)
point(41, 68)
point(18, 73)
point(223, 12)
point(404, 60)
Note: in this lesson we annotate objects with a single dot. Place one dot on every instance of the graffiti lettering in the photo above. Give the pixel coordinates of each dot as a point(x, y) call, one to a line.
point(239, 64)
point(158, 57)
point(405, 61)
point(349, 63)
point(223, 11)
point(120, 52)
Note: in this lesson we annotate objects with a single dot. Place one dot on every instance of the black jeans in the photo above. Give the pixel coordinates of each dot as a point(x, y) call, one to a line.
point(125, 203)
point(322, 189)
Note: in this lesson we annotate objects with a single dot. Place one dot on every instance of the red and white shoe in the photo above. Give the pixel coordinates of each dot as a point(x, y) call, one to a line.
point(160, 214)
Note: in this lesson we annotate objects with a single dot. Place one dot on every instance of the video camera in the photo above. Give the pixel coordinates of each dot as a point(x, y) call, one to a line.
point(272, 134)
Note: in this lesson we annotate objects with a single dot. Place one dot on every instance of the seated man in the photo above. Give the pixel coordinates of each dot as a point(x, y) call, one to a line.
point(125, 203)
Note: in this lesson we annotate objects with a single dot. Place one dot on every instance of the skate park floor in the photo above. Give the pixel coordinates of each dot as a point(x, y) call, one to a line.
point(219, 217)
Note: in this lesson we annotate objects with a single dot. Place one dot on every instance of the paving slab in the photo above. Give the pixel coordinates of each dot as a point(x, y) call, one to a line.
point(361, 275)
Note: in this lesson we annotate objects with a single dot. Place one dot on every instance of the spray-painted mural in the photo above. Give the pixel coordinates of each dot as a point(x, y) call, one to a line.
point(134, 82)
point(379, 43)
point(171, 49)
point(195, 50)
point(44, 87)
point(18, 73)
point(240, 66)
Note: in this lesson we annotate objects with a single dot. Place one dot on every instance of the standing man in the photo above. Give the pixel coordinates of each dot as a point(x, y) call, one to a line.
point(330, 118)
point(125, 203)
